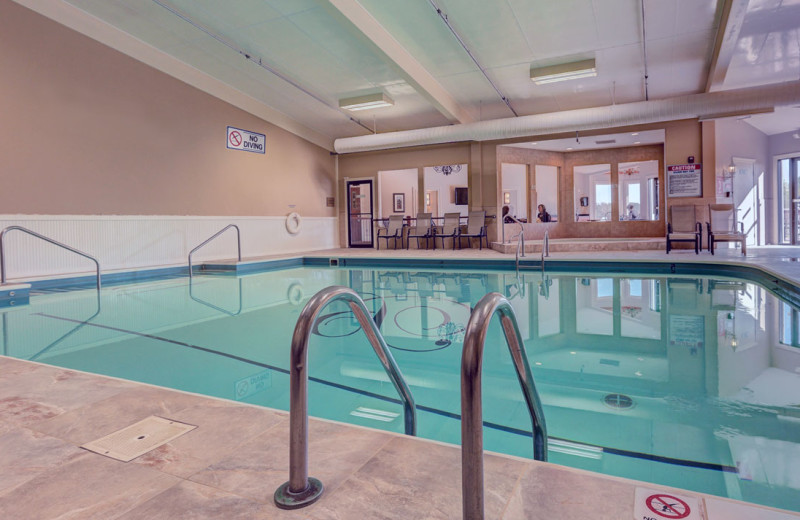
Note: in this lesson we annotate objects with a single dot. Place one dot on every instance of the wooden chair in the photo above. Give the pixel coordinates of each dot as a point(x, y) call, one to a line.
point(393, 230)
point(422, 229)
point(450, 229)
point(723, 227)
point(476, 228)
point(683, 227)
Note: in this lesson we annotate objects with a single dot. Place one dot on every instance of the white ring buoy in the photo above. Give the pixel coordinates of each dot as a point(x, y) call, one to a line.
point(295, 294)
point(293, 223)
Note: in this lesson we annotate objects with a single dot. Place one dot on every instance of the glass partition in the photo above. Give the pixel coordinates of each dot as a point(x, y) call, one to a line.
point(592, 192)
point(638, 190)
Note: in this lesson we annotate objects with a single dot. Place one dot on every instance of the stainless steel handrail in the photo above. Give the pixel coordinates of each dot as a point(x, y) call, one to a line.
point(46, 239)
point(471, 409)
point(546, 245)
point(215, 235)
point(302, 490)
point(520, 240)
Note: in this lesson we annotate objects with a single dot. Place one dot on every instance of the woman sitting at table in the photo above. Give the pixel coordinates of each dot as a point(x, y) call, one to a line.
point(543, 215)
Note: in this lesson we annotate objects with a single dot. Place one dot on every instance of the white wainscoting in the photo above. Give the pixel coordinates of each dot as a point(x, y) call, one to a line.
point(122, 242)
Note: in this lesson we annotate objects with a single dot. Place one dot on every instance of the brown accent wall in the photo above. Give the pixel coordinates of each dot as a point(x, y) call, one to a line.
point(85, 129)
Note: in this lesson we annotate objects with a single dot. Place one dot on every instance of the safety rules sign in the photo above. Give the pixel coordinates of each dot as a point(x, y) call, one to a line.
point(685, 180)
point(652, 504)
point(239, 139)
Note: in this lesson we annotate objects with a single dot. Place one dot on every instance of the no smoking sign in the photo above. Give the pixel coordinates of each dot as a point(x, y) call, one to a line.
point(652, 504)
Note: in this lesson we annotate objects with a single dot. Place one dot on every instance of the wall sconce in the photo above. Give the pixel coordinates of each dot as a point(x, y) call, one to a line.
point(731, 167)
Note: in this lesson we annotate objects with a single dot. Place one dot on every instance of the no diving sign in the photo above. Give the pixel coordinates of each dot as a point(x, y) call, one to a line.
point(239, 139)
point(652, 504)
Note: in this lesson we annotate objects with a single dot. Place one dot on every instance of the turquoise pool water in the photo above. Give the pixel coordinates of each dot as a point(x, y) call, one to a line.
point(682, 381)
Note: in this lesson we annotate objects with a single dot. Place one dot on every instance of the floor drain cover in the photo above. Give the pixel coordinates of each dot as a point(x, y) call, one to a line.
point(619, 401)
point(137, 439)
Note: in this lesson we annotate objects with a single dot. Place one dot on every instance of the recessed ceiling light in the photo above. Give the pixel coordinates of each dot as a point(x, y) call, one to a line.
point(564, 72)
point(569, 148)
point(534, 143)
point(636, 142)
point(367, 101)
point(635, 134)
point(538, 363)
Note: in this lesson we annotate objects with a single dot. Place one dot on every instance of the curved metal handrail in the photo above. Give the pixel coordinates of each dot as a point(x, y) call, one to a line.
point(215, 235)
point(302, 490)
point(520, 240)
point(545, 246)
point(471, 409)
point(46, 239)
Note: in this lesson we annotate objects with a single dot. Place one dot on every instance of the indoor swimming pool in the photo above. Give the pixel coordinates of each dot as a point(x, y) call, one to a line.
point(685, 381)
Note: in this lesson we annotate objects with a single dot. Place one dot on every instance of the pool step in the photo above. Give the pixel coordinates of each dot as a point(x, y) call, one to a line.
point(14, 295)
point(218, 268)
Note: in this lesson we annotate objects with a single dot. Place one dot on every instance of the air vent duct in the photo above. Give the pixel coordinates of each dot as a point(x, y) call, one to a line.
point(613, 116)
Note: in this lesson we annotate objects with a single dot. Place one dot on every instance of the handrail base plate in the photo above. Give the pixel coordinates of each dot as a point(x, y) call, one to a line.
point(285, 499)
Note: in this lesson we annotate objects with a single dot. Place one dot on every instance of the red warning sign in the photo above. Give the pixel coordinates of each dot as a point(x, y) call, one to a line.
point(668, 506)
point(235, 138)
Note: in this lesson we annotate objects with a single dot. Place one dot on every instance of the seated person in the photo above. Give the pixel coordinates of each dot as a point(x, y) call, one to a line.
point(506, 217)
point(542, 215)
point(632, 213)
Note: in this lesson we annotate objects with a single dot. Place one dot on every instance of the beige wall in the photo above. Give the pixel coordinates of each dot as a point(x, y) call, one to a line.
point(88, 130)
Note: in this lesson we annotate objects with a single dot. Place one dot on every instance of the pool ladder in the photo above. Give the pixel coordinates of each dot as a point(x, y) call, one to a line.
point(471, 407)
point(302, 490)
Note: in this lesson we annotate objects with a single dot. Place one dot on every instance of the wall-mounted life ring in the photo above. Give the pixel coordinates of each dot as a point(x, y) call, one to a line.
point(293, 222)
point(295, 294)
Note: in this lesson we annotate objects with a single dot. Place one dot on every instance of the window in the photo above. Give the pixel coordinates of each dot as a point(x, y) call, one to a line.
point(789, 201)
point(592, 192)
point(638, 190)
point(789, 326)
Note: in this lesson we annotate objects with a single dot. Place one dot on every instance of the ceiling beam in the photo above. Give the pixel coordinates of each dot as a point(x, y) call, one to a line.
point(730, 25)
point(408, 66)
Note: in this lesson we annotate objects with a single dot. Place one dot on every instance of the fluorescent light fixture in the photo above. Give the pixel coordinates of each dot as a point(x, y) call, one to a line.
point(564, 72)
point(366, 102)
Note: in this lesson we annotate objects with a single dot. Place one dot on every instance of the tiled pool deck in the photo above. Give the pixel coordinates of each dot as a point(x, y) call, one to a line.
point(229, 467)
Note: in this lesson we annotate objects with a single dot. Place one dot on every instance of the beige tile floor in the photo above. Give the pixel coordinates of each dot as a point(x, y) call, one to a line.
point(229, 467)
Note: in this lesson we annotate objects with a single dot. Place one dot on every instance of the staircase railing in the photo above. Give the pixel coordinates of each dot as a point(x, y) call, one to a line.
point(46, 239)
point(215, 235)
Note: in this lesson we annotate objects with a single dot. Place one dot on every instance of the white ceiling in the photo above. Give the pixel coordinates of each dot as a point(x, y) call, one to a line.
point(332, 49)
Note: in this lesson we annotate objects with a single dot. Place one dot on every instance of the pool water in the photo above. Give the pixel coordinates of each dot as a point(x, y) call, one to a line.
point(681, 381)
